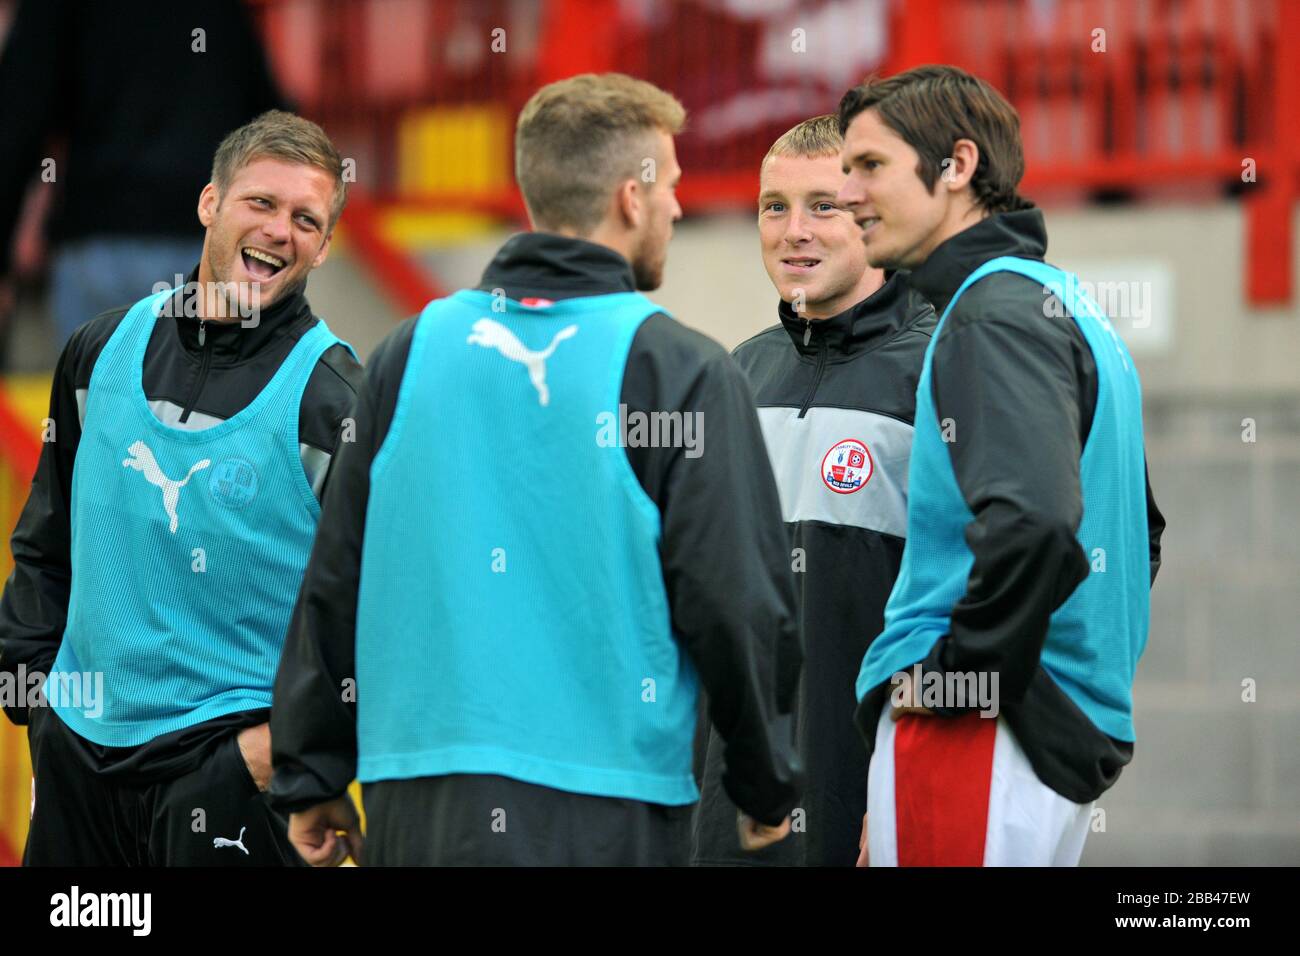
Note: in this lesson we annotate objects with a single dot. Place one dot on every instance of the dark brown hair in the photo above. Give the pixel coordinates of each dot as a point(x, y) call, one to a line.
point(930, 108)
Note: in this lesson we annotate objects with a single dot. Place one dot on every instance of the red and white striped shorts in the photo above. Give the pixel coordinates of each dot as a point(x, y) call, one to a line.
point(947, 791)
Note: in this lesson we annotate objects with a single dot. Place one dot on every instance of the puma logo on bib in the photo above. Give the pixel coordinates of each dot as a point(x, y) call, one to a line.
point(142, 460)
point(494, 335)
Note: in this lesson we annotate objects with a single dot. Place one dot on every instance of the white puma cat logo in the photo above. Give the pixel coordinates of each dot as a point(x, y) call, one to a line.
point(219, 842)
point(494, 335)
point(142, 460)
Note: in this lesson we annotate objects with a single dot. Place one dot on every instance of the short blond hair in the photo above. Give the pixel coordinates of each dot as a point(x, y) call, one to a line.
point(577, 139)
point(286, 136)
point(819, 136)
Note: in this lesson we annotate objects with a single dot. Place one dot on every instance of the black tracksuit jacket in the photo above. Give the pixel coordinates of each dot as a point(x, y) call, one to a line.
point(196, 374)
point(725, 566)
point(1015, 374)
point(816, 383)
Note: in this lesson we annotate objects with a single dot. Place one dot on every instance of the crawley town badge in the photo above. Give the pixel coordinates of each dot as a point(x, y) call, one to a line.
point(847, 466)
point(234, 483)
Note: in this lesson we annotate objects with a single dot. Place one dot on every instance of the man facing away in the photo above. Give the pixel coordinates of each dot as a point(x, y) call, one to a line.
point(169, 522)
point(835, 384)
point(998, 697)
point(521, 587)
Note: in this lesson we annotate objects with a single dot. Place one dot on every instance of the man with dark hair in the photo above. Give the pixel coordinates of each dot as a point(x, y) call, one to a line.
point(835, 384)
point(1033, 539)
point(173, 509)
point(510, 665)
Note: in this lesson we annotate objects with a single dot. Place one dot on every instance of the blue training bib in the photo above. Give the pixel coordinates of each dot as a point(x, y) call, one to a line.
point(1095, 638)
point(188, 549)
point(512, 614)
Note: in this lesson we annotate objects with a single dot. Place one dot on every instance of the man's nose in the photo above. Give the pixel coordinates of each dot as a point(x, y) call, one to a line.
point(797, 229)
point(277, 227)
point(853, 192)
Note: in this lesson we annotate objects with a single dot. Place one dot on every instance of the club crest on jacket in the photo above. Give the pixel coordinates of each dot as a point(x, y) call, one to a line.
point(847, 466)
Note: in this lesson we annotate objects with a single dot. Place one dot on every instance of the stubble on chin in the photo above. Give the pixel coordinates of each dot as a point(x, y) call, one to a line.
point(648, 273)
point(648, 277)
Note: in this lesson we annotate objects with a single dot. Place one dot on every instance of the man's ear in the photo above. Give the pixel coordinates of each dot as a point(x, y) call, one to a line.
point(630, 199)
point(209, 200)
point(960, 167)
point(324, 252)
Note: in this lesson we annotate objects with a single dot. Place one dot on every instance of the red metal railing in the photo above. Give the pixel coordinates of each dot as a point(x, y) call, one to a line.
point(408, 287)
point(1179, 92)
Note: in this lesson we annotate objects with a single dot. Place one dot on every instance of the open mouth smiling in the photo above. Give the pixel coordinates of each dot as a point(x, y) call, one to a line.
point(261, 264)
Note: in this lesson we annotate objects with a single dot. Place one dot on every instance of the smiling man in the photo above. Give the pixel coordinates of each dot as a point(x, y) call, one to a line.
point(1033, 538)
point(835, 384)
point(169, 523)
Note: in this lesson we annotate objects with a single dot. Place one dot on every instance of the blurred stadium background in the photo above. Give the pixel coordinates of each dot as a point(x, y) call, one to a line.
point(1168, 161)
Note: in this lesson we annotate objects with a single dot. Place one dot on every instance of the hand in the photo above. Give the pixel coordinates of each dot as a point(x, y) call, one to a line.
point(255, 748)
point(755, 835)
point(904, 698)
point(864, 855)
point(328, 833)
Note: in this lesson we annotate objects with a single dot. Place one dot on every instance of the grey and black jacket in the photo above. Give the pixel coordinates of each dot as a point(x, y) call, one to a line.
point(819, 384)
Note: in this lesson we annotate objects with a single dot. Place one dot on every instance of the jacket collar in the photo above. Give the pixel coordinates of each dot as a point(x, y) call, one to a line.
point(233, 342)
point(1021, 234)
point(856, 329)
point(544, 265)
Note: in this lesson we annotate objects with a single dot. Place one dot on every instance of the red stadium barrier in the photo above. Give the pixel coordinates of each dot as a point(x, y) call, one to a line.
point(1173, 92)
point(408, 287)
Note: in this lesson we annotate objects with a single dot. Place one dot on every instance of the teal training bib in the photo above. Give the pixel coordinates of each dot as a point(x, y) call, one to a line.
point(188, 549)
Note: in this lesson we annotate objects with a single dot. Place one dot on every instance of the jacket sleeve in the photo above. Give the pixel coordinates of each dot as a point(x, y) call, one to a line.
point(1155, 528)
point(726, 559)
point(327, 405)
point(34, 605)
point(313, 714)
point(1010, 396)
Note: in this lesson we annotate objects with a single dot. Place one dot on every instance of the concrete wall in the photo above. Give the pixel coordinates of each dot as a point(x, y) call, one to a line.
point(715, 282)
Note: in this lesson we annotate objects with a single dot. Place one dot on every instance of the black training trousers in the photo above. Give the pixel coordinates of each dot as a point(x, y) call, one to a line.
point(486, 820)
point(211, 816)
